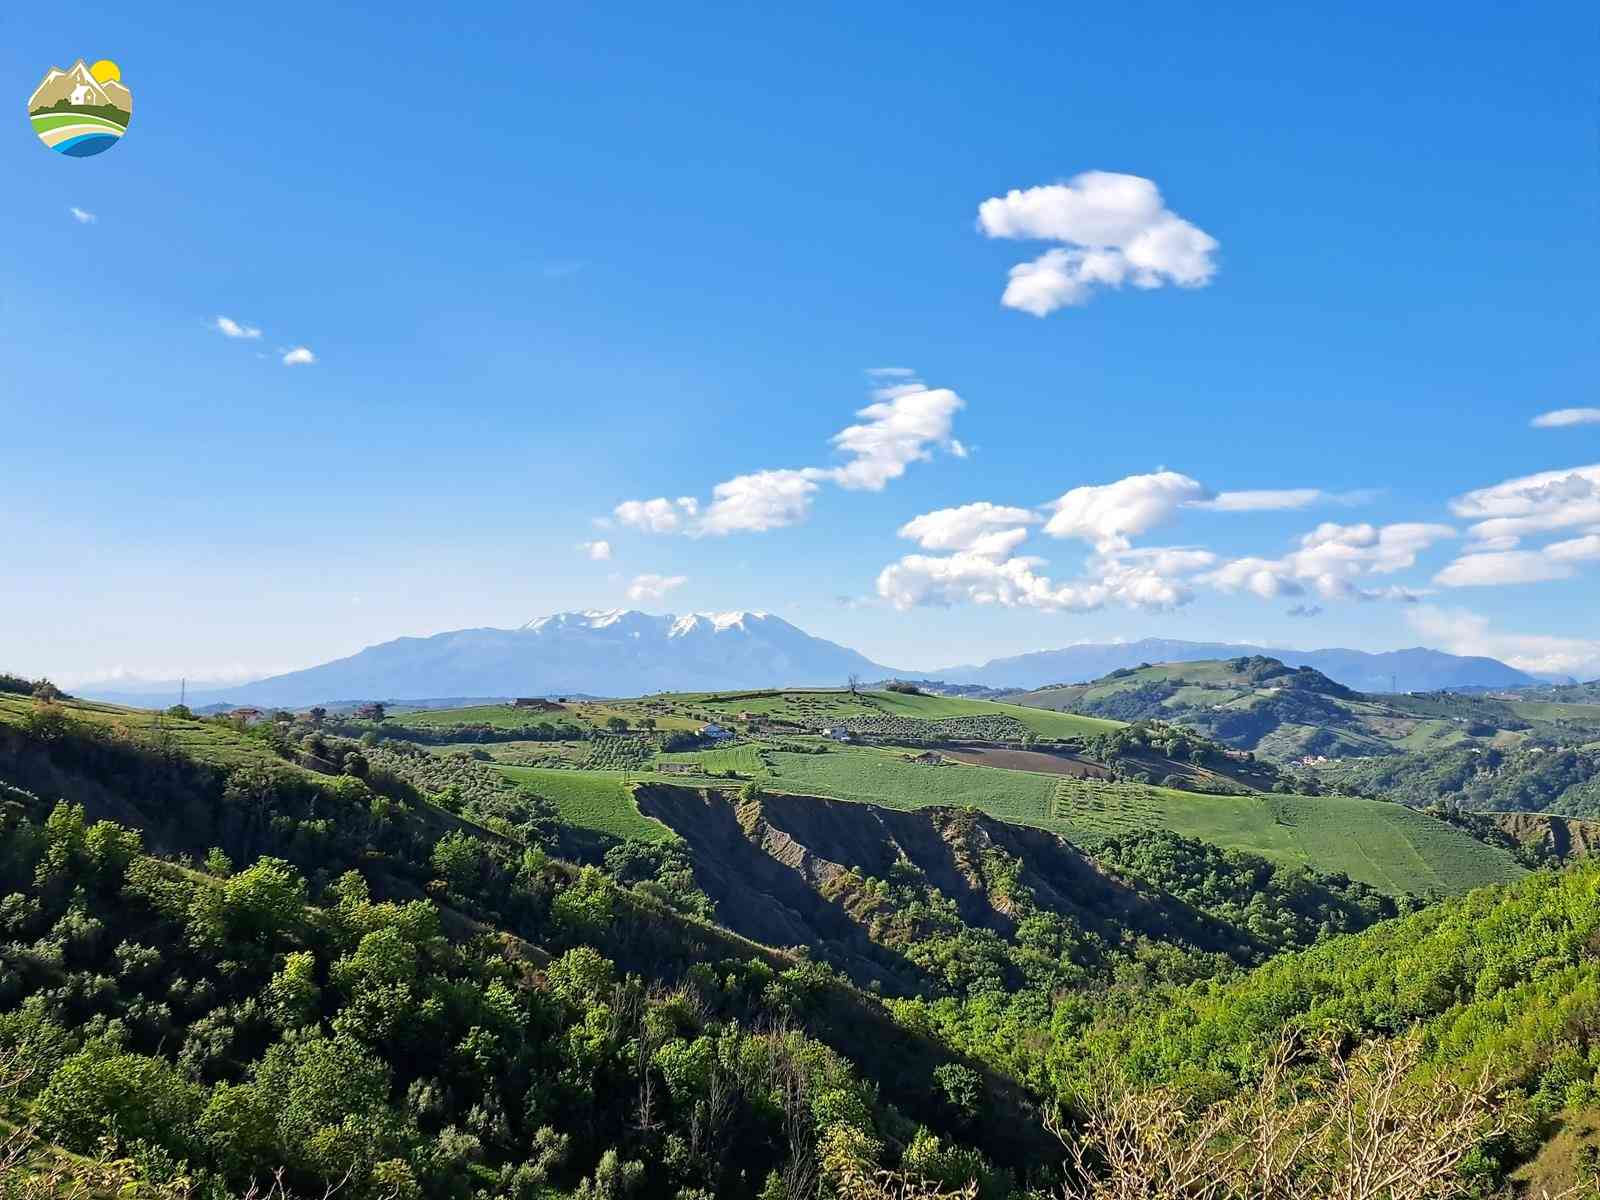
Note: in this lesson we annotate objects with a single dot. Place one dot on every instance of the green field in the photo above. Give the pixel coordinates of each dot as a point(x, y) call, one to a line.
point(1386, 845)
point(1390, 846)
point(208, 741)
point(591, 801)
point(742, 760)
point(819, 707)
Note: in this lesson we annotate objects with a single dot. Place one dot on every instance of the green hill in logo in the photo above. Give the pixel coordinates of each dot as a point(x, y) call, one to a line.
point(81, 111)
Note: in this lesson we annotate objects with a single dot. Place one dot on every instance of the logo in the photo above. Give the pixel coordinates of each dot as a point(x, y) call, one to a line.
point(83, 111)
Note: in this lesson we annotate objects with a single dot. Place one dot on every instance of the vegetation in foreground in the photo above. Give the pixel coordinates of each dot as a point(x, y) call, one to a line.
point(407, 992)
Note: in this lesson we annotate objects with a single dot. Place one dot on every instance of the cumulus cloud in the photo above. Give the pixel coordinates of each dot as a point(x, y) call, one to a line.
point(1305, 610)
point(300, 356)
point(1114, 229)
point(759, 501)
point(906, 423)
point(659, 515)
point(597, 551)
point(1563, 417)
point(985, 568)
point(959, 528)
point(652, 589)
point(1107, 515)
point(228, 327)
point(82, 215)
point(1333, 560)
point(1462, 632)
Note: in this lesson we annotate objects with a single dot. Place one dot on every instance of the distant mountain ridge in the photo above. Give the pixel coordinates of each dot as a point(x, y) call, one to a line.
point(1416, 669)
point(621, 652)
point(613, 652)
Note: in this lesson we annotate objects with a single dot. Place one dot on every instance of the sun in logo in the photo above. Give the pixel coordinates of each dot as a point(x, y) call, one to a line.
point(82, 111)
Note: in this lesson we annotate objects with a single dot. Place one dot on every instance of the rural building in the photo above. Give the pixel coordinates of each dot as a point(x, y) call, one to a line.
point(248, 715)
point(927, 759)
point(716, 733)
point(837, 732)
point(534, 702)
point(682, 768)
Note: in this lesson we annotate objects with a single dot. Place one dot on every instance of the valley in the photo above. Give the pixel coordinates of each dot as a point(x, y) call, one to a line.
point(926, 918)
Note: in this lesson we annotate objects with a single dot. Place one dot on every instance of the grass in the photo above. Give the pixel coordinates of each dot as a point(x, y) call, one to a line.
point(1391, 847)
point(591, 800)
point(744, 759)
point(585, 714)
point(499, 716)
point(208, 741)
point(818, 707)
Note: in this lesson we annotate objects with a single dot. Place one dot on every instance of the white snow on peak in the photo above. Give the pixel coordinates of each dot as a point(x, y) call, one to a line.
point(718, 621)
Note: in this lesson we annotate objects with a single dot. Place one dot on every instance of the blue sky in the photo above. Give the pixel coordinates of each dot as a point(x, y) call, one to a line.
point(551, 261)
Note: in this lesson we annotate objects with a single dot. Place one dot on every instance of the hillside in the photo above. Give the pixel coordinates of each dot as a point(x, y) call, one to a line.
point(1086, 779)
point(1416, 669)
point(369, 959)
point(387, 950)
point(1286, 714)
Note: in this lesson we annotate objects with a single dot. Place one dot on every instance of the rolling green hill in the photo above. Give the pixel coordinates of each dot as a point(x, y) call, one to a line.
point(1286, 714)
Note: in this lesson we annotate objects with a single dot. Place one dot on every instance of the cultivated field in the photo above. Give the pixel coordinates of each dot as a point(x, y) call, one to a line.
point(591, 801)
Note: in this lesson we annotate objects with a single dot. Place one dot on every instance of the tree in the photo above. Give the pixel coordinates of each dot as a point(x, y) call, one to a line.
point(318, 714)
point(854, 684)
point(617, 724)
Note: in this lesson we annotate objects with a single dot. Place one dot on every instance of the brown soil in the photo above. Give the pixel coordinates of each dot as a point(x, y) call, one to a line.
point(1560, 837)
point(778, 869)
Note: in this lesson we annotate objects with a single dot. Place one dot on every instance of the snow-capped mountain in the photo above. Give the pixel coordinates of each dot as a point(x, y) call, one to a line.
point(615, 652)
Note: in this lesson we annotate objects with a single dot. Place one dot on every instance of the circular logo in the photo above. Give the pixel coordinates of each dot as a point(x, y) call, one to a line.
point(81, 111)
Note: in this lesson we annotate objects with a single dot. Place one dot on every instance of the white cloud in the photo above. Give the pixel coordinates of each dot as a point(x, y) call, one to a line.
point(1533, 504)
point(1462, 632)
point(759, 501)
point(82, 215)
point(597, 551)
point(1106, 515)
point(228, 327)
point(652, 589)
point(1332, 560)
point(1266, 500)
point(976, 577)
point(657, 516)
point(1281, 499)
point(1499, 567)
point(1562, 417)
point(959, 528)
point(906, 423)
point(1115, 229)
point(1305, 610)
point(1583, 549)
point(984, 567)
point(300, 356)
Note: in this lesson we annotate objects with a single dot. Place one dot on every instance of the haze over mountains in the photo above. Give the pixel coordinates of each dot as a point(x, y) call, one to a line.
point(627, 653)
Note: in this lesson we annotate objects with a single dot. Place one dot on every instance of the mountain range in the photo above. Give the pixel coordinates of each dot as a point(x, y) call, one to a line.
point(627, 653)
